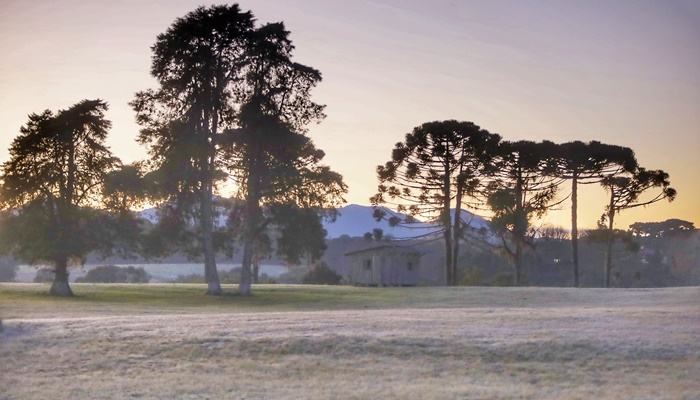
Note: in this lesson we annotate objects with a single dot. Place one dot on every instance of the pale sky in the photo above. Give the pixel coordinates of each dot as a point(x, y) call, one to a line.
point(623, 72)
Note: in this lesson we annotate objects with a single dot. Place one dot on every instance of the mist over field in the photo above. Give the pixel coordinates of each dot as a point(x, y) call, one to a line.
point(291, 342)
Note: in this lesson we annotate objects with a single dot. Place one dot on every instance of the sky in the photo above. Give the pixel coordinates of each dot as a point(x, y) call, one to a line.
point(624, 72)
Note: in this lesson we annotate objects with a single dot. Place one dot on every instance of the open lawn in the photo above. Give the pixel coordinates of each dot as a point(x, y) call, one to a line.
point(319, 342)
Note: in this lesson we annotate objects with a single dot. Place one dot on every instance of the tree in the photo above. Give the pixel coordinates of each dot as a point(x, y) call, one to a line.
point(670, 250)
point(437, 168)
point(625, 190)
point(197, 63)
point(52, 185)
point(586, 163)
point(231, 104)
point(665, 229)
point(270, 159)
point(521, 189)
point(619, 242)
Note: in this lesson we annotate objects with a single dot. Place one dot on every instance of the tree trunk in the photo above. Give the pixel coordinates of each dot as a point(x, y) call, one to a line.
point(60, 286)
point(256, 269)
point(519, 229)
point(245, 285)
point(448, 255)
point(608, 260)
point(252, 220)
point(457, 233)
point(574, 227)
point(211, 274)
point(611, 239)
point(447, 223)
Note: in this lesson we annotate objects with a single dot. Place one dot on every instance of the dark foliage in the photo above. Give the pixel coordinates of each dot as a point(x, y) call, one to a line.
point(114, 274)
point(44, 275)
point(53, 185)
point(440, 166)
point(321, 274)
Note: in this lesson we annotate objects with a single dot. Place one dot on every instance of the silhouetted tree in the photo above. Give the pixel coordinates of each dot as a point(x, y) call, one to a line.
point(671, 251)
point(619, 242)
point(270, 159)
point(126, 187)
point(52, 185)
point(291, 232)
point(624, 190)
point(551, 232)
point(438, 167)
point(665, 229)
point(586, 163)
point(197, 63)
point(522, 188)
point(227, 85)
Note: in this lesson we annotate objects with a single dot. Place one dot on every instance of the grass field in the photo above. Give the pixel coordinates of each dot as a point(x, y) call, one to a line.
point(301, 342)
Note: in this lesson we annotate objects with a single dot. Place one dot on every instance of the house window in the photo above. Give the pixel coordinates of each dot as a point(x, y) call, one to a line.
point(409, 266)
point(368, 264)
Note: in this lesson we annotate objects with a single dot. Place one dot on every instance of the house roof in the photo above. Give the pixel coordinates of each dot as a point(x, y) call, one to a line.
point(403, 249)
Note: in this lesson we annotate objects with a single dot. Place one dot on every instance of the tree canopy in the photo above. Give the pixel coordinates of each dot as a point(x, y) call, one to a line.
point(197, 63)
point(438, 167)
point(269, 157)
point(586, 163)
point(52, 185)
point(521, 187)
point(624, 191)
point(232, 108)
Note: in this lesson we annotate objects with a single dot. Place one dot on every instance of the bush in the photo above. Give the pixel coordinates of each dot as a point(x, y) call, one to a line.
point(320, 274)
point(230, 277)
point(192, 278)
point(44, 275)
point(8, 269)
point(293, 275)
point(473, 276)
point(114, 274)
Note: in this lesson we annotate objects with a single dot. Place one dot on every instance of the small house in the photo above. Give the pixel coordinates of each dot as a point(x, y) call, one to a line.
point(384, 265)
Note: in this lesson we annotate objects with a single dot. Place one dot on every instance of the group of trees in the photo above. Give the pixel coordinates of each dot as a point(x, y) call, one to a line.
point(231, 109)
point(443, 167)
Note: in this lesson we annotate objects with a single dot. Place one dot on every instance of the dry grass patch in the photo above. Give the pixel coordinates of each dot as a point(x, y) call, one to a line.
point(525, 343)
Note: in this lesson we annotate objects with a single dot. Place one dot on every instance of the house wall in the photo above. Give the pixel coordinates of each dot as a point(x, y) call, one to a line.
point(388, 267)
point(359, 274)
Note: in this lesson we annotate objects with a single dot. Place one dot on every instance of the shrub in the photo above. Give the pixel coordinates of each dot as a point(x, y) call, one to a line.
point(321, 274)
point(192, 278)
point(293, 275)
point(472, 277)
point(44, 275)
point(231, 277)
point(114, 274)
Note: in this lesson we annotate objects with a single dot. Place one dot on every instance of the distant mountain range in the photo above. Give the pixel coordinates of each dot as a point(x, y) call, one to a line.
point(356, 220)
